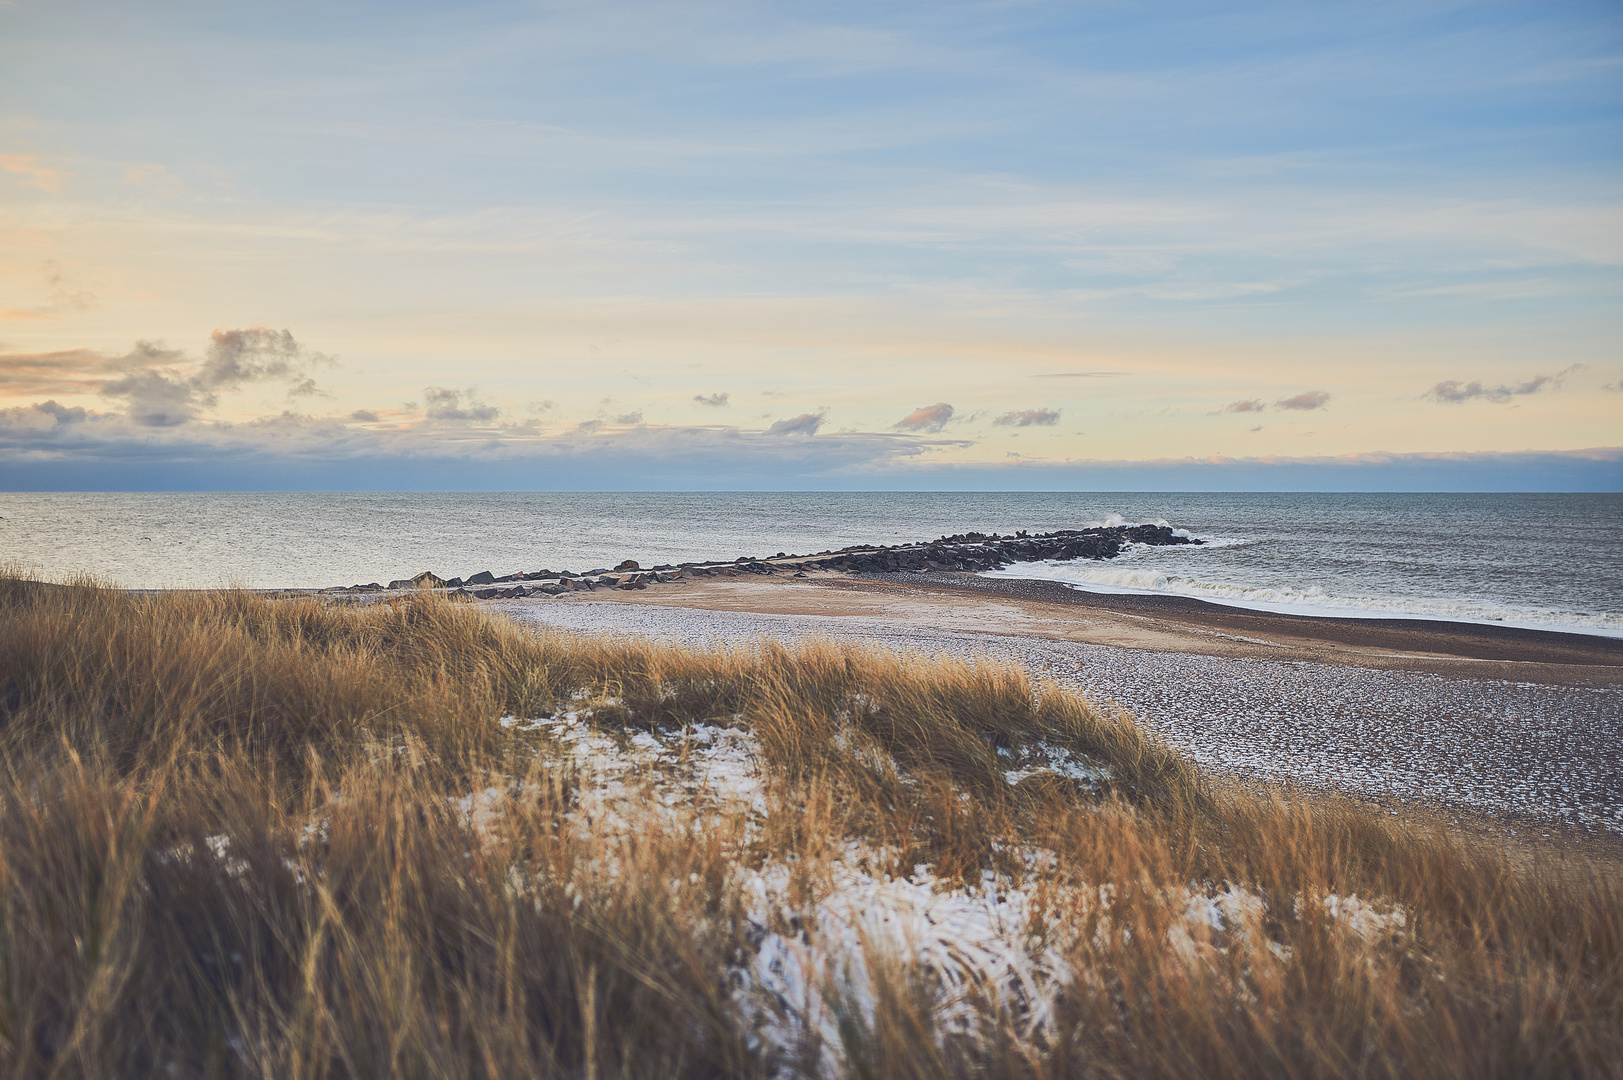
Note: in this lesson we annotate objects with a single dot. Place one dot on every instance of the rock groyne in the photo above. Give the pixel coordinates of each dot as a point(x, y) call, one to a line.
point(962, 553)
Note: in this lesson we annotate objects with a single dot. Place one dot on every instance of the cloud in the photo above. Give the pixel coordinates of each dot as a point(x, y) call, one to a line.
point(34, 174)
point(928, 418)
point(804, 424)
point(1305, 401)
point(446, 406)
point(364, 416)
point(156, 398)
point(1029, 418)
point(41, 417)
point(68, 293)
point(73, 371)
point(1455, 392)
point(1080, 375)
point(713, 400)
point(47, 446)
point(163, 387)
point(629, 418)
point(52, 447)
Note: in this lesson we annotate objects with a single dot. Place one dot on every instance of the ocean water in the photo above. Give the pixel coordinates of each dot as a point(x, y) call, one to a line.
point(1545, 561)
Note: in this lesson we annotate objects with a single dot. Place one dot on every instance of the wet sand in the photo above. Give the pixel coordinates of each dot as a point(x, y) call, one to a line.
point(1517, 732)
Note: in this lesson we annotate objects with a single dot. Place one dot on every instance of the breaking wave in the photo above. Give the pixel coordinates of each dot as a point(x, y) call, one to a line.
point(1193, 572)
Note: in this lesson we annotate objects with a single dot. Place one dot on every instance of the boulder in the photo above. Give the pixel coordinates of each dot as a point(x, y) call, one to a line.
point(629, 564)
point(483, 577)
point(400, 583)
point(428, 580)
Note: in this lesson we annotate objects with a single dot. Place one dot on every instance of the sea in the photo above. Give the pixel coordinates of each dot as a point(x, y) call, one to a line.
point(1544, 561)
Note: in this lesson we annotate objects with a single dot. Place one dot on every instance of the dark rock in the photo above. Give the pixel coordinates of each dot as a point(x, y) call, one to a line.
point(428, 580)
point(629, 564)
point(483, 577)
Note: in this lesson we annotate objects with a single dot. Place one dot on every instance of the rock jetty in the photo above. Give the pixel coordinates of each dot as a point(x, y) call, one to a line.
point(962, 553)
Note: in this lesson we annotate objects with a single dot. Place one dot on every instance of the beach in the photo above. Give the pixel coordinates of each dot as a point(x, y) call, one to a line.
point(1511, 731)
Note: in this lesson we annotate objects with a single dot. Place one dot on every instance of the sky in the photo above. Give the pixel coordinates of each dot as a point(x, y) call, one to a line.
point(945, 245)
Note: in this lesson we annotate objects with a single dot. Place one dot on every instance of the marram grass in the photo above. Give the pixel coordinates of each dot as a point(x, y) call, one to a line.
point(286, 839)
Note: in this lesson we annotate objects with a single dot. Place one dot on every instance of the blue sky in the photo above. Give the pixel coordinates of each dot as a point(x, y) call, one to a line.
point(813, 245)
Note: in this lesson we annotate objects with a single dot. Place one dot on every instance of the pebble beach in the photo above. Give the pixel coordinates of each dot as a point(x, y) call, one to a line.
point(1525, 756)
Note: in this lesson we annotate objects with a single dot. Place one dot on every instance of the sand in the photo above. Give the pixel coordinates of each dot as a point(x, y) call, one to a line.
point(1482, 727)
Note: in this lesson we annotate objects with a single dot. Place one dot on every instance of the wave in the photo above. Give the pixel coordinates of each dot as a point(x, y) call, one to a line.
point(1131, 574)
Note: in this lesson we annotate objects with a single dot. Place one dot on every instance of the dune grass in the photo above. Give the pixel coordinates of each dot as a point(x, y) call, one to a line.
point(286, 838)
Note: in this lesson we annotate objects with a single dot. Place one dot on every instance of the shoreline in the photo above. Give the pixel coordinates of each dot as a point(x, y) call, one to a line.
point(1038, 608)
point(1500, 733)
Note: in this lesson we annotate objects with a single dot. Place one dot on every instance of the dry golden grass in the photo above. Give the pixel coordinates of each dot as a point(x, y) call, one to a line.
point(235, 840)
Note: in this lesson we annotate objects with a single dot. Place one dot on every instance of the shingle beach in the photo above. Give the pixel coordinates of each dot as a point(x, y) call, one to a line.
point(1526, 754)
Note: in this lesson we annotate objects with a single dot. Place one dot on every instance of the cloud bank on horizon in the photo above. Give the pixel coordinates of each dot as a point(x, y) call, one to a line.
point(653, 245)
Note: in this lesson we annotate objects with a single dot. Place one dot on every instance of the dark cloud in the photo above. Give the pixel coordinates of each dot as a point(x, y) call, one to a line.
point(41, 417)
point(1247, 405)
point(163, 387)
point(804, 424)
point(928, 418)
point(1029, 418)
point(1455, 392)
point(157, 397)
point(1306, 401)
point(365, 416)
point(629, 418)
point(44, 447)
point(257, 354)
point(446, 406)
point(715, 401)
